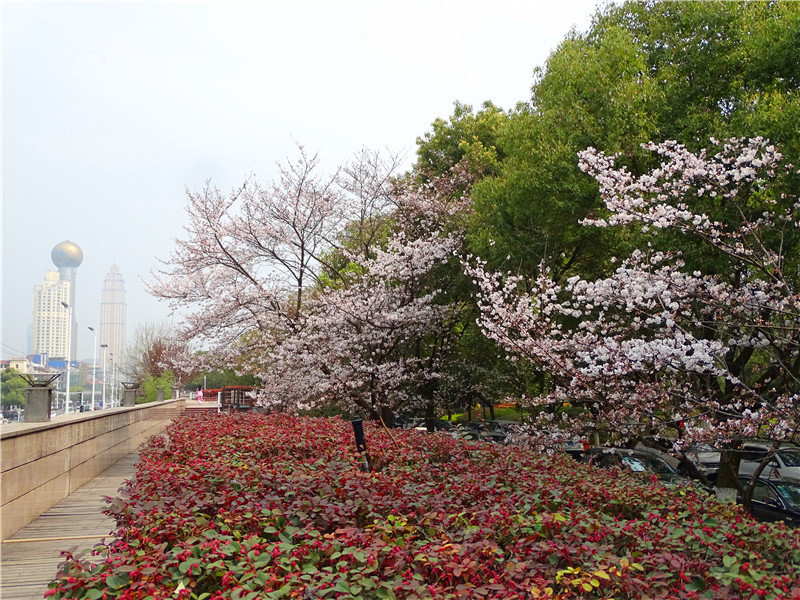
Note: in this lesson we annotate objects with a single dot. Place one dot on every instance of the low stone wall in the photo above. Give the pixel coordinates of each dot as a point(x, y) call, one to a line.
point(45, 462)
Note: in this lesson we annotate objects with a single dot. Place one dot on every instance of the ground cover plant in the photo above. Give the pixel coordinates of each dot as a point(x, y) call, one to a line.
point(254, 506)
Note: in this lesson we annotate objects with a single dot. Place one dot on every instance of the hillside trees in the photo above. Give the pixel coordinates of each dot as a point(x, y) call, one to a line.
point(659, 348)
point(466, 136)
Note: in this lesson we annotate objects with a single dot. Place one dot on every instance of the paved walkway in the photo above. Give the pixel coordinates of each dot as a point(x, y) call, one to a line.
point(31, 556)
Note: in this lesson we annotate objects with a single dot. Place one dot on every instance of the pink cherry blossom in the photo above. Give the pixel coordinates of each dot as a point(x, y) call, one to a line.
point(655, 348)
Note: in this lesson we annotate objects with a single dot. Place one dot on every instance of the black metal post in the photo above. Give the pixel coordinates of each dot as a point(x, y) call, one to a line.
point(361, 443)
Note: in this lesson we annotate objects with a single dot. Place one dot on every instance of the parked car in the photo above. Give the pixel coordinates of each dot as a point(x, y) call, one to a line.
point(784, 465)
point(438, 425)
point(635, 461)
point(774, 500)
point(497, 437)
point(704, 457)
point(503, 426)
point(576, 448)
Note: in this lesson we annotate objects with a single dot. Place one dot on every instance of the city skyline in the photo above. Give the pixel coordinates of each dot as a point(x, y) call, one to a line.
point(58, 298)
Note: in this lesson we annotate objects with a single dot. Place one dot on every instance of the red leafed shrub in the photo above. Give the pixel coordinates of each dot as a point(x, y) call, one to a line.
point(251, 506)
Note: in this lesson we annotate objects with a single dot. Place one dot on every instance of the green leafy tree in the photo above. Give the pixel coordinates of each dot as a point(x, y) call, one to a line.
point(644, 71)
point(13, 388)
point(151, 384)
point(219, 379)
point(466, 135)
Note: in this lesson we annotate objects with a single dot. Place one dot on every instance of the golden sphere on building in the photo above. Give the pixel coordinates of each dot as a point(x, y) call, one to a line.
point(67, 254)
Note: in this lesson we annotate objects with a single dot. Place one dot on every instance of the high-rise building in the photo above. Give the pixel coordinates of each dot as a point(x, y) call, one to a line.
point(50, 316)
point(113, 311)
point(67, 256)
point(54, 305)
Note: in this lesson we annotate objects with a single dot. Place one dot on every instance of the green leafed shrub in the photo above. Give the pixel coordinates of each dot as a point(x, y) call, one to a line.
point(251, 506)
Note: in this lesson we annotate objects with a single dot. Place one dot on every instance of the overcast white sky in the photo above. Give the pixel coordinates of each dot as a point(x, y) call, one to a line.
point(111, 109)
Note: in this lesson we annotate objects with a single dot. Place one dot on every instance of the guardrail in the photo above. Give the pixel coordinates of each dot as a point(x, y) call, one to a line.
point(43, 463)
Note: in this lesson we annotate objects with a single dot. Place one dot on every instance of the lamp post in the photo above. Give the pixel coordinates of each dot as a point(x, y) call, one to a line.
point(113, 398)
point(69, 354)
point(94, 364)
point(104, 346)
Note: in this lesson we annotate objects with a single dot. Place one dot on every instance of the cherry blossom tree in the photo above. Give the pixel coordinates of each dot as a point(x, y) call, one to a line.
point(149, 352)
point(325, 288)
point(665, 346)
point(375, 343)
point(249, 257)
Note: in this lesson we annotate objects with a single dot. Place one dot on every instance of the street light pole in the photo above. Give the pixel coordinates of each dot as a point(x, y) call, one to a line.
point(104, 346)
point(117, 400)
point(94, 365)
point(113, 377)
point(69, 354)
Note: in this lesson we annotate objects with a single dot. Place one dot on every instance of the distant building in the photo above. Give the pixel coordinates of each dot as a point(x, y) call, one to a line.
point(50, 317)
point(54, 305)
point(113, 312)
point(20, 365)
point(68, 256)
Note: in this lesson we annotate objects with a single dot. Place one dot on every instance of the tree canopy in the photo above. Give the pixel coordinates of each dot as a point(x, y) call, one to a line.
point(13, 390)
point(644, 71)
point(345, 289)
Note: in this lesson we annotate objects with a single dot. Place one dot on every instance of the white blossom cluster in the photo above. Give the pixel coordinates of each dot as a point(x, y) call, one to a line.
point(656, 347)
point(261, 277)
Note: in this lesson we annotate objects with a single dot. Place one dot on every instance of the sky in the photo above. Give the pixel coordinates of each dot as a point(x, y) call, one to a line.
point(111, 110)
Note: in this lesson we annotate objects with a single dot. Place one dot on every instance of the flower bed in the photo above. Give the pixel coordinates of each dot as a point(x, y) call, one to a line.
point(250, 506)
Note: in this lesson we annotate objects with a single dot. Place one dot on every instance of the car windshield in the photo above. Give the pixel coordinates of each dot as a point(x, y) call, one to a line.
point(790, 492)
point(652, 464)
point(634, 464)
point(791, 458)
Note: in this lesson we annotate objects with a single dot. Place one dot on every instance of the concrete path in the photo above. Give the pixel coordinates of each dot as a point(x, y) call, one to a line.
point(30, 557)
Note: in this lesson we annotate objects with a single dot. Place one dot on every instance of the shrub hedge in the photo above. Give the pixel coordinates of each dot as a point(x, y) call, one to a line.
point(251, 506)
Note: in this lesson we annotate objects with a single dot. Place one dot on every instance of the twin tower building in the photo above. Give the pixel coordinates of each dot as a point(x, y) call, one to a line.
point(54, 324)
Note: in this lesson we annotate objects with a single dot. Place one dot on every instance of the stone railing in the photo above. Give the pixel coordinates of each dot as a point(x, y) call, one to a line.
point(43, 463)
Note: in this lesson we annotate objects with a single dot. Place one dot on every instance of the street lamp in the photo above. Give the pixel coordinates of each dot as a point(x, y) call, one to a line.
point(69, 354)
point(113, 377)
point(104, 346)
point(94, 365)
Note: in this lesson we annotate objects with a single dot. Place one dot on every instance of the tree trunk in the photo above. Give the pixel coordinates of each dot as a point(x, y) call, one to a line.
point(728, 476)
point(747, 494)
point(387, 415)
point(430, 415)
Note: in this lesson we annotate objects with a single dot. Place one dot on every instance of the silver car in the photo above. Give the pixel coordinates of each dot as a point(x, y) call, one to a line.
point(785, 464)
